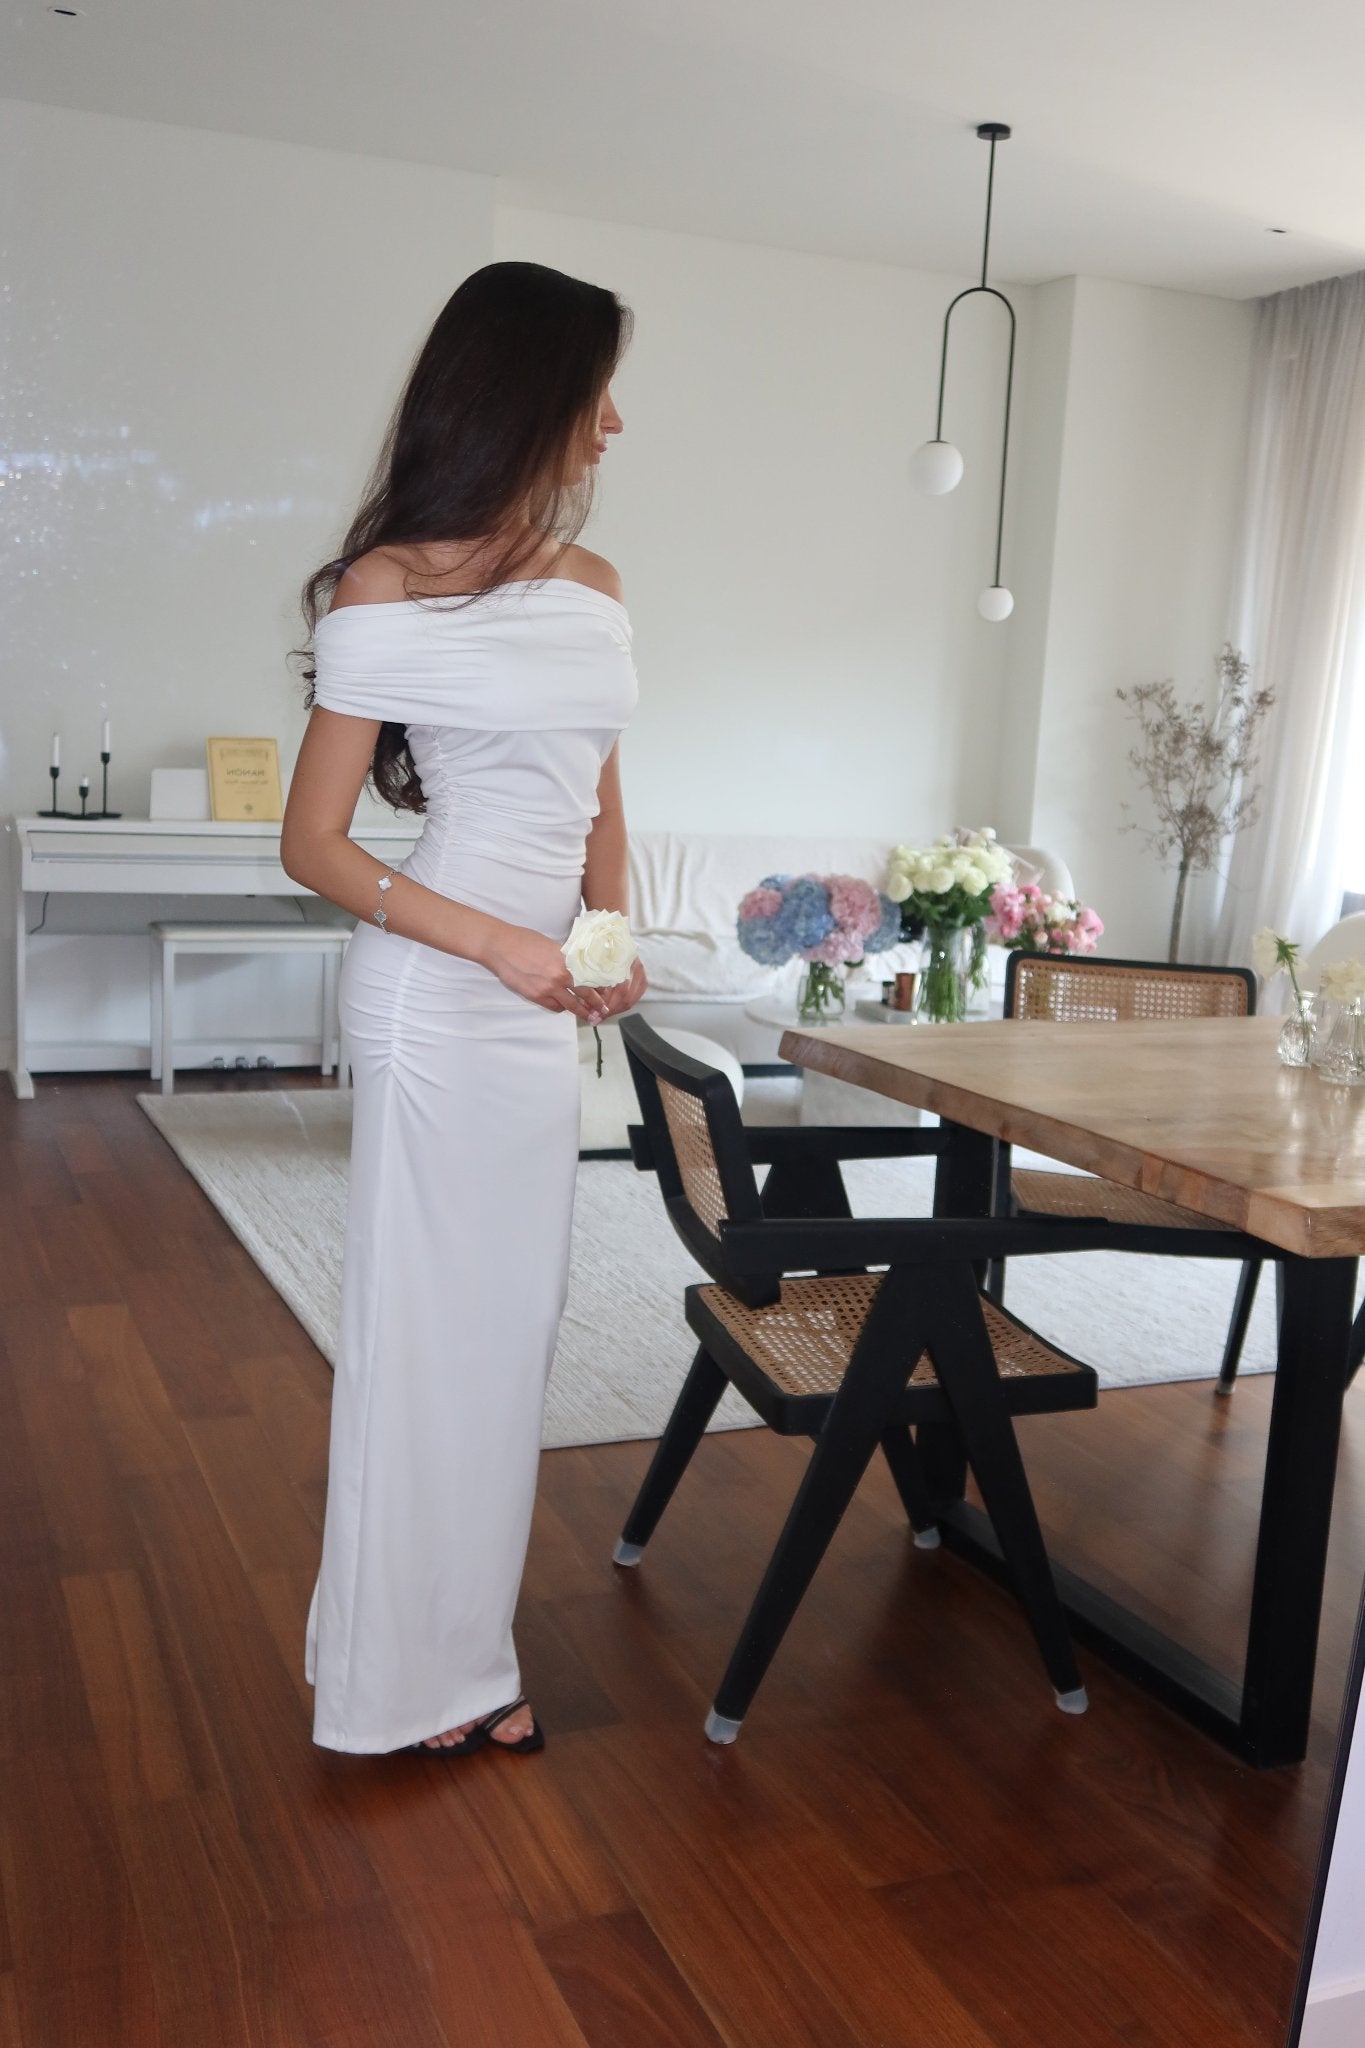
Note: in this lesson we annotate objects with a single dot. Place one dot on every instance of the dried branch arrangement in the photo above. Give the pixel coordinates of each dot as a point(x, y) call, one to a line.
point(1196, 764)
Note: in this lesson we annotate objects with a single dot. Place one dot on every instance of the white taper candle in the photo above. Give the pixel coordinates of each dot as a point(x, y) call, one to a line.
point(104, 743)
point(56, 751)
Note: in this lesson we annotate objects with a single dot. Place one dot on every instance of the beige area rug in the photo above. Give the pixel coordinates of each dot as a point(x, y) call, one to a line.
point(275, 1167)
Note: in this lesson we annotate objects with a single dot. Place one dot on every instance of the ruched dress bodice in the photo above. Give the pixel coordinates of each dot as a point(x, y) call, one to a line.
point(511, 705)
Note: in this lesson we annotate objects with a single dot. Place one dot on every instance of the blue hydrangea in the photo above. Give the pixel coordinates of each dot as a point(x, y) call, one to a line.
point(889, 930)
point(762, 941)
point(805, 917)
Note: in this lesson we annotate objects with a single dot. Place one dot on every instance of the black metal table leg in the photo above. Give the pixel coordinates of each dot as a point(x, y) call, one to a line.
point(1316, 1311)
point(1266, 1719)
point(964, 1185)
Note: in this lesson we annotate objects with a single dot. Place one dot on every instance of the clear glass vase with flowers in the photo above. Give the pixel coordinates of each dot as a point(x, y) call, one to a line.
point(830, 921)
point(1271, 955)
point(944, 893)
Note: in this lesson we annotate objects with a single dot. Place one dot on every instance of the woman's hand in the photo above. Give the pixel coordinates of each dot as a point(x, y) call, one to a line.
point(623, 995)
point(533, 966)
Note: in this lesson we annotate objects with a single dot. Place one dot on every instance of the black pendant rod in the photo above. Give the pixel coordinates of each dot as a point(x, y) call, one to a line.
point(992, 132)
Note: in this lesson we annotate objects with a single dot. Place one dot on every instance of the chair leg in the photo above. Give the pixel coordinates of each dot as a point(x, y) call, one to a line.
point(1237, 1327)
point(898, 1448)
point(855, 1425)
point(693, 1409)
point(970, 1379)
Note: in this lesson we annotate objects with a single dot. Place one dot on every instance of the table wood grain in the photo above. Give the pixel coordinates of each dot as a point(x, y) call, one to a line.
point(1197, 1111)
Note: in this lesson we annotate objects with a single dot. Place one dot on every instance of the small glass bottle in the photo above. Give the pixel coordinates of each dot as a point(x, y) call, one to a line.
point(1343, 1057)
point(1297, 1034)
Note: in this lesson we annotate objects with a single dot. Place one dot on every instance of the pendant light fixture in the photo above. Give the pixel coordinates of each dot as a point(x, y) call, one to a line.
point(936, 467)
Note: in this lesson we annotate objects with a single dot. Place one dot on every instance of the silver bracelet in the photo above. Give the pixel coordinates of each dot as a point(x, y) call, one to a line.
point(381, 916)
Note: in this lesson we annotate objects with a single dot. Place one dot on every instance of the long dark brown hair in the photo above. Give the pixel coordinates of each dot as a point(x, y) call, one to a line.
point(501, 400)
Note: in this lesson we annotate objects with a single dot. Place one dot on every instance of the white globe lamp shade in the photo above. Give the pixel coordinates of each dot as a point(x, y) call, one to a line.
point(936, 467)
point(996, 603)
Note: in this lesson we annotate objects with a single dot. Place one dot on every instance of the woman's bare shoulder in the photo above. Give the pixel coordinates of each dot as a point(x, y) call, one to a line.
point(594, 570)
point(375, 578)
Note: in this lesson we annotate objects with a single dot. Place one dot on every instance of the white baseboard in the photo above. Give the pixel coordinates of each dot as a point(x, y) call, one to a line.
point(1336, 2019)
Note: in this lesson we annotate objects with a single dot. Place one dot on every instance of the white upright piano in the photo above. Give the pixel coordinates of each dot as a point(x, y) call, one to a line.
point(138, 858)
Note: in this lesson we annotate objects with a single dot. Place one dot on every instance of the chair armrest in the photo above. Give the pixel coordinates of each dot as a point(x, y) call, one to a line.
point(769, 1144)
point(821, 1243)
point(818, 1244)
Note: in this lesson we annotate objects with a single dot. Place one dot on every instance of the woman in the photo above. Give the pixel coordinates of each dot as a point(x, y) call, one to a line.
point(498, 715)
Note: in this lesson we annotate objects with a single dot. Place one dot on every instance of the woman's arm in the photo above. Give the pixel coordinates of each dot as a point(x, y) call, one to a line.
point(606, 874)
point(606, 878)
point(316, 849)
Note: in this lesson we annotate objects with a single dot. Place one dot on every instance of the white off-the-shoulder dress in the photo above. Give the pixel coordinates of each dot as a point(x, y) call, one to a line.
point(464, 1153)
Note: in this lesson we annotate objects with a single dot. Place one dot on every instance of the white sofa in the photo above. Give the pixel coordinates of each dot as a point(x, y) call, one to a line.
point(685, 889)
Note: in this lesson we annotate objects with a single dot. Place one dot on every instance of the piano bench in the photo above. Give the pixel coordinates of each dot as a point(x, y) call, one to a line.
point(171, 940)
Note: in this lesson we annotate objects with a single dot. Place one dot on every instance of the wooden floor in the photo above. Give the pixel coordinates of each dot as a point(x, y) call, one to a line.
point(907, 1844)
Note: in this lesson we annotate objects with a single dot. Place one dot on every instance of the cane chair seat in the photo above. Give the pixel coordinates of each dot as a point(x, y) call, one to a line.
point(802, 1344)
point(1081, 1194)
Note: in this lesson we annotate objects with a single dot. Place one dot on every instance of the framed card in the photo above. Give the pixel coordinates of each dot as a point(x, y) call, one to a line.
point(244, 780)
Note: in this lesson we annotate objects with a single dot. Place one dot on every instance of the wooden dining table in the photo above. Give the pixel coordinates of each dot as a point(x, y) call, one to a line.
point(1199, 1112)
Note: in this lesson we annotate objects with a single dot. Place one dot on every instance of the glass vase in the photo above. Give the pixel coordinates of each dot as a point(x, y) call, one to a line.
point(1343, 1056)
point(820, 996)
point(945, 969)
point(1296, 1034)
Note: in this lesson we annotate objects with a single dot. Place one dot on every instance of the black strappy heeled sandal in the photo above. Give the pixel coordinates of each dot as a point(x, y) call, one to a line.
point(481, 1733)
point(523, 1747)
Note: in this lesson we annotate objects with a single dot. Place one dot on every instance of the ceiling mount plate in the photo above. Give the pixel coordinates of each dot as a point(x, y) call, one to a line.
point(994, 131)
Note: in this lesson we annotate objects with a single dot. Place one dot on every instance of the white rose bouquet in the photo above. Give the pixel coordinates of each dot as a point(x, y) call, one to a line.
point(943, 890)
point(599, 952)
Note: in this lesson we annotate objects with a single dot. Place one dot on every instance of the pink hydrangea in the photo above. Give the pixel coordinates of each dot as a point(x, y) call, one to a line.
point(837, 947)
point(760, 903)
point(855, 905)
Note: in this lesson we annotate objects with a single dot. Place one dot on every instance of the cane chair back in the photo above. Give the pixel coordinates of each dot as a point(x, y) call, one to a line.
point(1056, 988)
point(692, 1121)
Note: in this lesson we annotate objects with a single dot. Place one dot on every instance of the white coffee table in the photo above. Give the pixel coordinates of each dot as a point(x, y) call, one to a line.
point(823, 1099)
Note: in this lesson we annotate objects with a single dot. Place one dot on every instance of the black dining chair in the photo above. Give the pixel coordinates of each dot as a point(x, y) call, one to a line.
point(798, 1318)
point(1064, 989)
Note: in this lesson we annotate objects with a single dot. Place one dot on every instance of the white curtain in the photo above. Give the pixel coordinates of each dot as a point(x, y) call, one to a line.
point(1299, 610)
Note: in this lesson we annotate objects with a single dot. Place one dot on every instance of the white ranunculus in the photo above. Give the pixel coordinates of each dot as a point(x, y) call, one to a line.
point(938, 881)
point(1343, 981)
point(1265, 952)
point(600, 950)
point(972, 878)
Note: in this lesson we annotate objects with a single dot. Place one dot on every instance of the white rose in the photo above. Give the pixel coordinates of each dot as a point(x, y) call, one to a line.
point(1343, 981)
point(599, 951)
point(972, 879)
point(1057, 912)
point(938, 881)
point(1265, 952)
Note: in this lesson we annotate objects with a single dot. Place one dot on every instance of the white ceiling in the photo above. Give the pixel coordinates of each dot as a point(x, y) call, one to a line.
point(1155, 141)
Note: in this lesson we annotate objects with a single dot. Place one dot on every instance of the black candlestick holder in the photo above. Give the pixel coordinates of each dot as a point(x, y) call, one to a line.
point(54, 812)
point(104, 810)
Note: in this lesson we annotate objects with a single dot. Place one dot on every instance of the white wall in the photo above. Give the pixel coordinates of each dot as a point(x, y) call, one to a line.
point(806, 631)
point(204, 336)
point(1336, 1988)
point(1137, 406)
